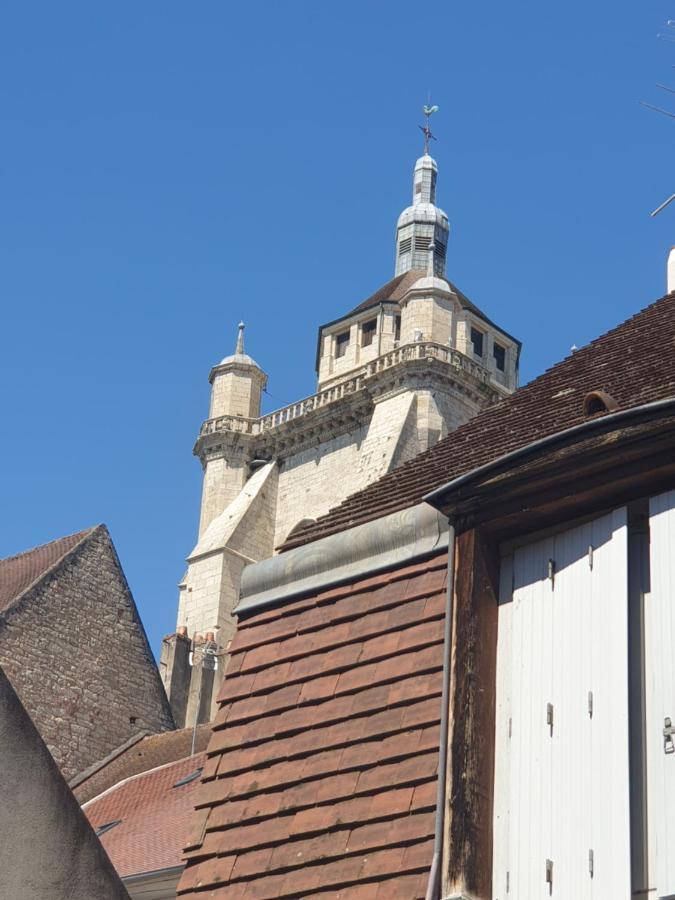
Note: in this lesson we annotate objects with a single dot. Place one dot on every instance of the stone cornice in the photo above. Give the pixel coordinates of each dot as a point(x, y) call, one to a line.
point(348, 405)
point(239, 368)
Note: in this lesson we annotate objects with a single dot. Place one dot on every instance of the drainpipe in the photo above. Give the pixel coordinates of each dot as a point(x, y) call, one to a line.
point(434, 883)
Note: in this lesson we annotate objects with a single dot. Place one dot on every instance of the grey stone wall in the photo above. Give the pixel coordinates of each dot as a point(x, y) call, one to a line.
point(76, 653)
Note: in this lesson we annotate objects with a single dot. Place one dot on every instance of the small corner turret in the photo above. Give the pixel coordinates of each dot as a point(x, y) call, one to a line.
point(237, 383)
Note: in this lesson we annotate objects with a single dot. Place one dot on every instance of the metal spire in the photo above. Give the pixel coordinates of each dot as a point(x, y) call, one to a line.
point(240, 340)
point(426, 128)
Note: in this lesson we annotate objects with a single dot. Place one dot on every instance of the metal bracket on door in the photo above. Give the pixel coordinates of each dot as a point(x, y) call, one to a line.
point(551, 572)
point(668, 732)
point(549, 875)
point(549, 716)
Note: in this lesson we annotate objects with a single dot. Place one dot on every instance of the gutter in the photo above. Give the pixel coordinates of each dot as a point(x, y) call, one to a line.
point(590, 426)
point(434, 883)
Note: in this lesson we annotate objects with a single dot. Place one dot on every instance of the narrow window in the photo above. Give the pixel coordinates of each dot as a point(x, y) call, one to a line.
point(499, 354)
point(397, 328)
point(477, 341)
point(341, 344)
point(368, 330)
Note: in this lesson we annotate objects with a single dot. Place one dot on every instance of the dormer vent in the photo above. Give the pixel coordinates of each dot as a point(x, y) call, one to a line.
point(598, 402)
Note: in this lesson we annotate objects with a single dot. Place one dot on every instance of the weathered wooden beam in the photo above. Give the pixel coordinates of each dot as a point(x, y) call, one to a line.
point(467, 862)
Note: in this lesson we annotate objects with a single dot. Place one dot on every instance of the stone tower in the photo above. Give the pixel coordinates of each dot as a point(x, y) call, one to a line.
point(413, 361)
point(237, 384)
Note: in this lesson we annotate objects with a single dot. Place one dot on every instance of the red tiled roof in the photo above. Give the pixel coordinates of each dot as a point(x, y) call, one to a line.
point(634, 363)
point(18, 573)
point(136, 757)
point(321, 772)
point(154, 816)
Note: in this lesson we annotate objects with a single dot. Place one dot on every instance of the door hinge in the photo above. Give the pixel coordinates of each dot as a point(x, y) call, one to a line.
point(591, 863)
point(590, 704)
point(590, 557)
point(508, 879)
point(510, 726)
point(549, 716)
point(551, 572)
point(549, 875)
point(668, 732)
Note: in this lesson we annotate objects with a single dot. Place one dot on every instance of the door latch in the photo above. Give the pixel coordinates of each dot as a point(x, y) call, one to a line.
point(668, 732)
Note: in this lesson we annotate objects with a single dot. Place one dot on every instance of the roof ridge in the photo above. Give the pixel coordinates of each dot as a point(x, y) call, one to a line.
point(65, 537)
point(80, 538)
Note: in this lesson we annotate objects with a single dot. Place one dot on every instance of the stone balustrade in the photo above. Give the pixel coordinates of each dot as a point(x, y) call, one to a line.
point(403, 354)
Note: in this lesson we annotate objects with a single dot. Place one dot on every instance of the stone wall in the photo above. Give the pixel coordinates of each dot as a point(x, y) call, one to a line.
point(77, 655)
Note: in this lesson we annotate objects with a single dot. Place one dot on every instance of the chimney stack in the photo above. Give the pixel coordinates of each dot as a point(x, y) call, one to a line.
point(671, 270)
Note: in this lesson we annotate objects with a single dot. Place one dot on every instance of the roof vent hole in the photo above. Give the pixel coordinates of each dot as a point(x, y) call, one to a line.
point(598, 402)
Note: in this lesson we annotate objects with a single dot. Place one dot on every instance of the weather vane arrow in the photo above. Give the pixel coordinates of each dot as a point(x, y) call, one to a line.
point(426, 128)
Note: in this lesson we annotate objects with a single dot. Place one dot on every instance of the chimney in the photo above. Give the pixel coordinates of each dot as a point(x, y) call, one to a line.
point(671, 270)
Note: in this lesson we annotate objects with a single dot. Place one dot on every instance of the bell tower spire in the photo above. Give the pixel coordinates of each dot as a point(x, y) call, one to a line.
point(422, 229)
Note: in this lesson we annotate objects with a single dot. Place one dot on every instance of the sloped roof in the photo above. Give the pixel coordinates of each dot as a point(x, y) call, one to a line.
point(19, 573)
point(139, 755)
point(394, 291)
point(634, 363)
point(153, 817)
point(391, 292)
point(321, 771)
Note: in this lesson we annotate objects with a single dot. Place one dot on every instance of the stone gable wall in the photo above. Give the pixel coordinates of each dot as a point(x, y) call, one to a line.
point(77, 655)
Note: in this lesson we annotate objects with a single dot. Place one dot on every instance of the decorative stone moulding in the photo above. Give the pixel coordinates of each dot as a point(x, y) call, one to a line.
point(423, 365)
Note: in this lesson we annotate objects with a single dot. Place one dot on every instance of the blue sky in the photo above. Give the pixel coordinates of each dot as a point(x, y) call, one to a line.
point(167, 168)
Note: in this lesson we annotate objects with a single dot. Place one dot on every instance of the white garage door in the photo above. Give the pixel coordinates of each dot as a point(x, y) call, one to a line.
point(562, 824)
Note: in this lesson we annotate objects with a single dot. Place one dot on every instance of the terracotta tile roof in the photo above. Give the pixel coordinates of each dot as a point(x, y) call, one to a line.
point(133, 758)
point(634, 363)
point(154, 817)
point(321, 771)
point(18, 573)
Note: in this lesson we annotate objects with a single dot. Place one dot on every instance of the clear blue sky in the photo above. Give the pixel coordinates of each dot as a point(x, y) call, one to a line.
point(169, 167)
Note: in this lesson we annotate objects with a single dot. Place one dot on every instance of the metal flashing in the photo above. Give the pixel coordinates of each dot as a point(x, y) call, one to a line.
point(398, 538)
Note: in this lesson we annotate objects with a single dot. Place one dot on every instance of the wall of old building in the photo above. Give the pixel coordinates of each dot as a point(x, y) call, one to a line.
point(77, 655)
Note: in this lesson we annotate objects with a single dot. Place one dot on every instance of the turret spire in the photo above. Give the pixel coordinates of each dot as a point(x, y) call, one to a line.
point(422, 229)
point(240, 340)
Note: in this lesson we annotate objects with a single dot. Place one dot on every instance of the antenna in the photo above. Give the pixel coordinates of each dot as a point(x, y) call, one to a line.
point(664, 112)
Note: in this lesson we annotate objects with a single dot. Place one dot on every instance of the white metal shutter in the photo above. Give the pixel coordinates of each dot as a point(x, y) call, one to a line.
point(660, 694)
point(562, 774)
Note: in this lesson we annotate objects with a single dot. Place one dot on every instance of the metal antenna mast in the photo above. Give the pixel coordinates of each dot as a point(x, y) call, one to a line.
point(670, 24)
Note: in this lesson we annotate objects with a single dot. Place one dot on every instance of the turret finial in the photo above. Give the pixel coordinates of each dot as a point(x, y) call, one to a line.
point(240, 340)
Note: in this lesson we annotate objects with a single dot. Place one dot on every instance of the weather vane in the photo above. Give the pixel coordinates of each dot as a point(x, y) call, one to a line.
point(426, 128)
